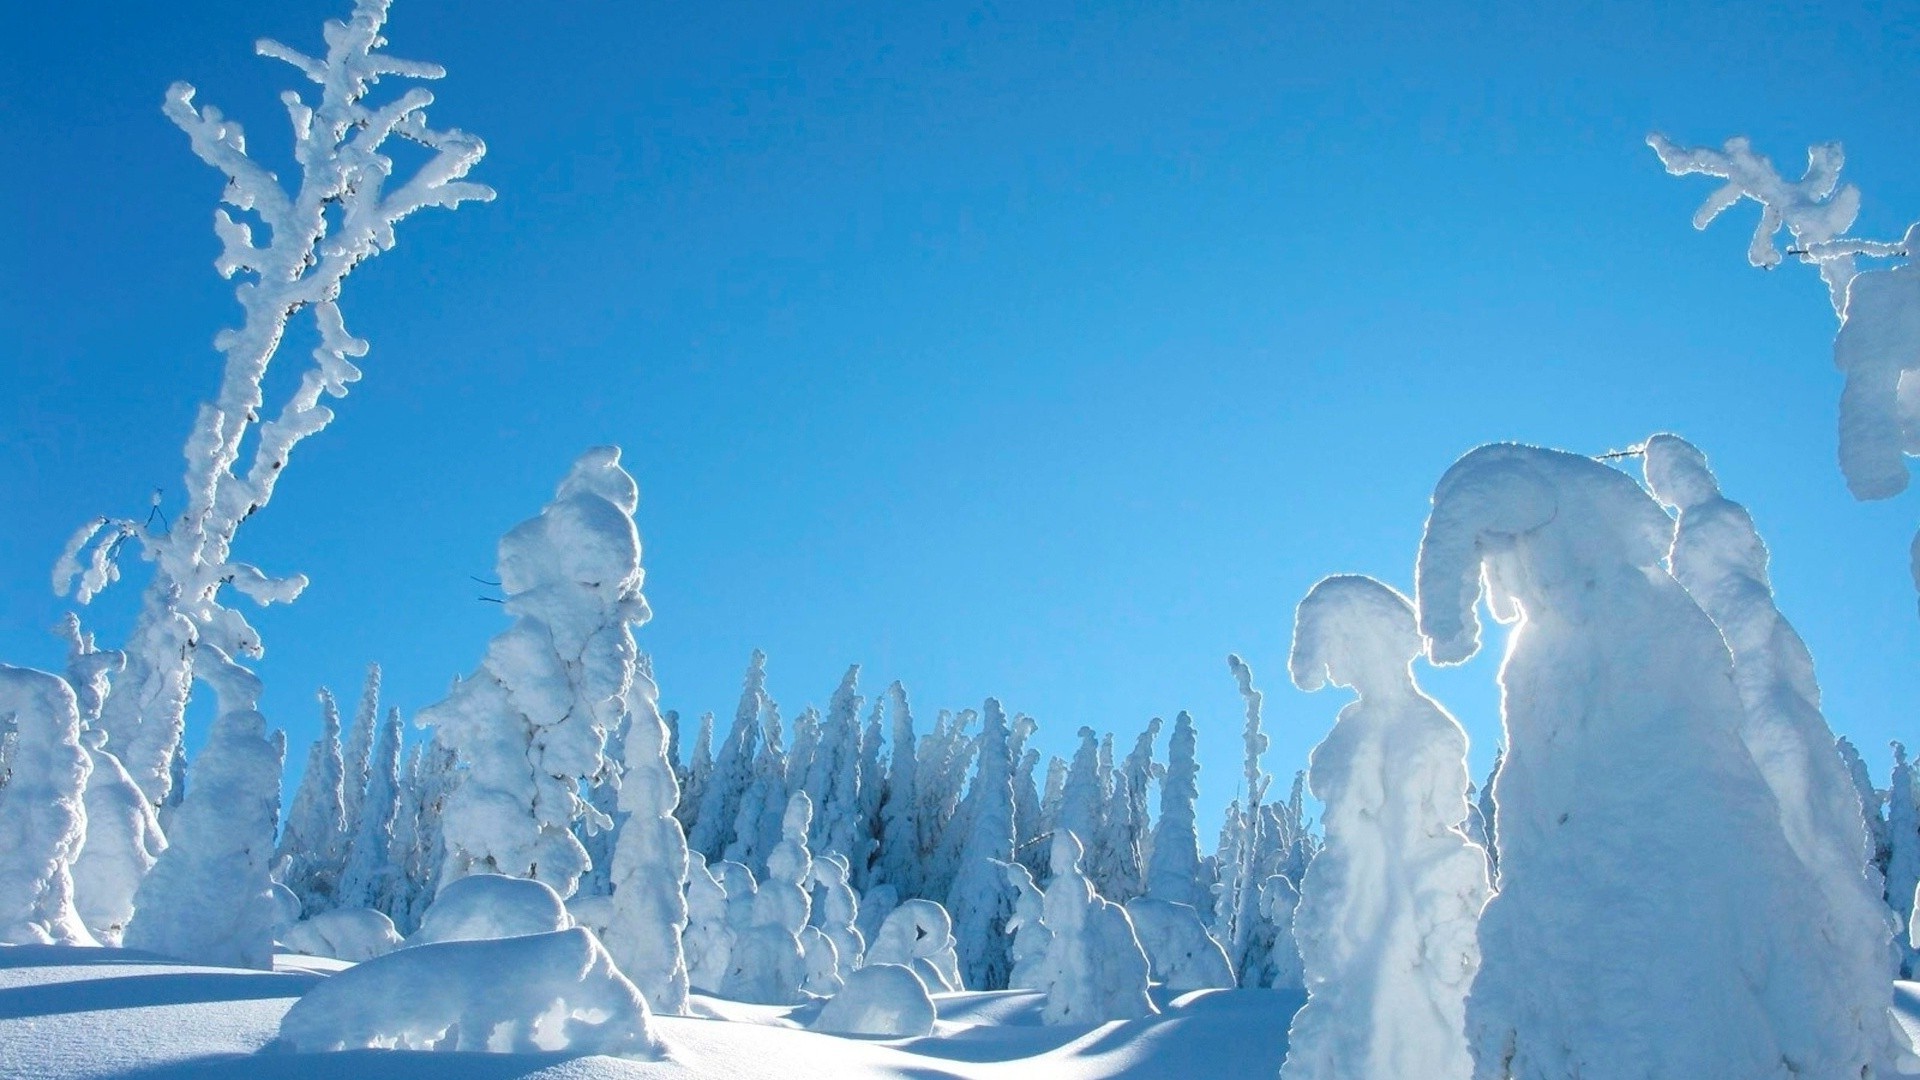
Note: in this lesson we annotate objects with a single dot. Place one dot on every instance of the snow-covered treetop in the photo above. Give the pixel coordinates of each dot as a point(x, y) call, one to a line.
point(1353, 631)
point(582, 547)
point(1525, 521)
point(1254, 739)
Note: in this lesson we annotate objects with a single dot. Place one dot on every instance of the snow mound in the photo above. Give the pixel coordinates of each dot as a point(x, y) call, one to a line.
point(1182, 954)
point(348, 934)
point(880, 999)
point(492, 906)
point(542, 992)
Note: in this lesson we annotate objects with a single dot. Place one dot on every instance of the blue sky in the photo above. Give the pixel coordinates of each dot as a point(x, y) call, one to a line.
point(1046, 351)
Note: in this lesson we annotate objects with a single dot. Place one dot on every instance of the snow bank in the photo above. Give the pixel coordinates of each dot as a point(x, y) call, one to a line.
point(492, 906)
point(1183, 955)
point(343, 934)
point(542, 992)
point(879, 999)
point(43, 813)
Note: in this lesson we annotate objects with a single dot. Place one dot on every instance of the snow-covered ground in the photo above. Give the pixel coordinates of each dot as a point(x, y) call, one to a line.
point(70, 1013)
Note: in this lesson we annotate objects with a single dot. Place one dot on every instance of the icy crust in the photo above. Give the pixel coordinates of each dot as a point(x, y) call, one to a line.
point(1652, 919)
point(1183, 956)
point(1386, 914)
point(345, 934)
point(43, 811)
point(1719, 558)
point(487, 906)
point(887, 1000)
point(541, 992)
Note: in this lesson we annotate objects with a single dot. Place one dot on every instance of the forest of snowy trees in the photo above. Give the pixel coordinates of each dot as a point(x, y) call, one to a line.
point(1676, 868)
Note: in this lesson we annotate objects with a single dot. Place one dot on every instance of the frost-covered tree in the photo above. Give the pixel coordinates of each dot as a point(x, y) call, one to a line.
point(900, 840)
point(833, 776)
point(1878, 347)
point(341, 210)
point(210, 898)
point(650, 861)
point(1027, 924)
point(1125, 826)
point(762, 813)
point(872, 784)
point(1080, 812)
point(1872, 805)
point(435, 781)
point(1174, 871)
point(698, 770)
point(979, 898)
point(733, 768)
point(708, 941)
point(311, 843)
point(43, 809)
point(531, 724)
point(368, 879)
point(1903, 849)
point(1094, 970)
point(1279, 903)
point(1385, 921)
point(356, 759)
point(1242, 932)
point(836, 911)
point(768, 964)
point(1719, 557)
point(1627, 805)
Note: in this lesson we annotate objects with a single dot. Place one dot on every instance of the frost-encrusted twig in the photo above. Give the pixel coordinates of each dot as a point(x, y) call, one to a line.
point(341, 211)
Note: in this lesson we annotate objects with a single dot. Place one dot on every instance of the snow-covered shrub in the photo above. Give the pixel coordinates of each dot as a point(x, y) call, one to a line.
point(209, 897)
point(542, 992)
point(768, 963)
point(1643, 865)
point(342, 210)
point(532, 722)
point(649, 871)
point(492, 906)
point(1386, 916)
point(43, 810)
point(887, 1000)
point(1029, 929)
point(919, 934)
point(1181, 954)
point(708, 942)
point(1095, 970)
point(343, 934)
point(123, 841)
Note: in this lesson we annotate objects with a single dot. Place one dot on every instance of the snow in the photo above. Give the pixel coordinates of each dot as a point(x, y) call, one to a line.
point(43, 810)
point(708, 941)
point(343, 934)
point(1386, 916)
point(541, 992)
point(492, 906)
point(1094, 968)
point(880, 999)
point(122, 844)
point(1181, 952)
point(919, 934)
point(1643, 865)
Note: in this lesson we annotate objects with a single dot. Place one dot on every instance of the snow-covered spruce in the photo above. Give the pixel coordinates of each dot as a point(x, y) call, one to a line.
point(1029, 929)
point(554, 992)
point(768, 964)
point(1181, 953)
point(1094, 970)
point(1722, 562)
point(980, 900)
point(919, 934)
point(1279, 903)
point(342, 210)
point(712, 831)
point(313, 839)
point(649, 872)
point(531, 724)
point(43, 811)
point(1386, 916)
point(209, 898)
point(884, 1000)
point(369, 879)
point(1903, 849)
point(356, 762)
point(1643, 866)
point(1173, 871)
point(483, 906)
point(900, 840)
point(708, 941)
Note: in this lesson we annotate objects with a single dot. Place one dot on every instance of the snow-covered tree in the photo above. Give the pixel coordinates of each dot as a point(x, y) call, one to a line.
point(1872, 805)
point(836, 910)
point(650, 861)
point(1094, 970)
point(356, 759)
point(341, 211)
point(768, 964)
point(1080, 795)
point(43, 809)
point(531, 724)
point(1627, 805)
point(368, 879)
point(833, 776)
point(1386, 916)
point(1903, 849)
point(708, 941)
point(1242, 932)
point(1027, 924)
point(1174, 871)
point(762, 806)
point(1279, 903)
point(698, 771)
point(435, 781)
point(311, 843)
point(712, 829)
point(900, 840)
point(1125, 831)
point(1719, 557)
point(979, 899)
point(209, 899)
point(872, 785)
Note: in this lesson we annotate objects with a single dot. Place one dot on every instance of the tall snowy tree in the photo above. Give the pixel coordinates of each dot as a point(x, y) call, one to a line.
point(312, 843)
point(979, 899)
point(1174, 873)
point(712, 829)
point(356, 758)
point(341, 211)
point(1385, 920)
point(1903, 850)
point(368, 879)
point(1627, 804)
point(1094, 969)
point(900, 842)
point(43, 811)
point(531, 724)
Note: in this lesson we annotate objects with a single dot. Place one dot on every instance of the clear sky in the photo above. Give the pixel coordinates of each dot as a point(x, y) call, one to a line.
point(1045, 351)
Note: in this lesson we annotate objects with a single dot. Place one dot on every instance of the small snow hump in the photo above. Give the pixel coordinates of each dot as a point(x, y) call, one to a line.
point(1353, 631)
point(487, 906)
point(887, 1000)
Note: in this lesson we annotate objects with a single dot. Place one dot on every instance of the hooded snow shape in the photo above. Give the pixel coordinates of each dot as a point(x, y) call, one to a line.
point(1386, 915)
point(43, 814)
point(532, 722)
point(1721, 560)
point(1095, 970)
point(1652, 917)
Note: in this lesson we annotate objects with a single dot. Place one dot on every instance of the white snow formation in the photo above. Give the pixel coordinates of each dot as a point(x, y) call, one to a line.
point(1181, 953)
point(487, 906)
point(708, 941)
point(919, 934)
point(768, 964)
point(123, 841)
point(886, 1000)
point(43, 809)
point(1095, 970)
point(1029, 929)
point(344, 934)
